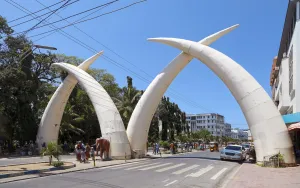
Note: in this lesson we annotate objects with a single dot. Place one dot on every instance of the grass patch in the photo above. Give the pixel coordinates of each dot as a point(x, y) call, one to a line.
point(57, 163)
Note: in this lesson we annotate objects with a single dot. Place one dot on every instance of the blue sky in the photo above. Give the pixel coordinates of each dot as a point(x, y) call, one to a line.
point(253, 44)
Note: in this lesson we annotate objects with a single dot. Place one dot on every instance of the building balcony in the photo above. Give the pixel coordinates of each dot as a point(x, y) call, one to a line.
point(283, 105)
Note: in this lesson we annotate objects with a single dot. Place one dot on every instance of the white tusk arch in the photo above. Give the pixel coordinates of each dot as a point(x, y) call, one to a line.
point(111, 124)
point(51, 119)
point(141, 117)
point(265, 122)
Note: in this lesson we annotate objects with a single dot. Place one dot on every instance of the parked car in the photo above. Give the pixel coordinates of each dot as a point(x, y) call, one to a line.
point(247, 147)
point(233, 152)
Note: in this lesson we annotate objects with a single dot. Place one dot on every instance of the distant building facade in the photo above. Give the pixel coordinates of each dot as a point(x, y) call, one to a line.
point(227, 129)
point(239, 134)
point(213, 122)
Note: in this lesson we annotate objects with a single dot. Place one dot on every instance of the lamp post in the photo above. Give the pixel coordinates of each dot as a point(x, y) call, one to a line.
point(35, 47)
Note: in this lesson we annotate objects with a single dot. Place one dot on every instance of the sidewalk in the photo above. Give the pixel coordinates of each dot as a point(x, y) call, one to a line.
point(252, 176)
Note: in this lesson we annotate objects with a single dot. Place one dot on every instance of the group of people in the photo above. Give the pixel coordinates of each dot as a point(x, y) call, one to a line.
point(83, 151)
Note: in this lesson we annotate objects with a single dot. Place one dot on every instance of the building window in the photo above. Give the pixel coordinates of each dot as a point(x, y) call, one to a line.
point(208, 126)
point(212, 126)
point(212, 132)
point(291, 71)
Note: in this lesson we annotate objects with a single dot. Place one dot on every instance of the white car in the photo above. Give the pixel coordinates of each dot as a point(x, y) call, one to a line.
point(233, 152)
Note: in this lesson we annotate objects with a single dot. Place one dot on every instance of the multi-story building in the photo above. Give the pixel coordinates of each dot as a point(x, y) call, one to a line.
point(210, 121)
point(234, 134)
point(248, 132)
point(285, 73)
point(239, 134)
point(227, 129)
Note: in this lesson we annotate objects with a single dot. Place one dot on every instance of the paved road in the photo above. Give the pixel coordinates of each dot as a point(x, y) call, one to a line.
point(189, 170)
point(22, 160)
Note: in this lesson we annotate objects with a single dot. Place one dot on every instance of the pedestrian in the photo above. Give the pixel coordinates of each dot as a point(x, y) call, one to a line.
point(157, 149)
point(154, 148)
point(87, 152)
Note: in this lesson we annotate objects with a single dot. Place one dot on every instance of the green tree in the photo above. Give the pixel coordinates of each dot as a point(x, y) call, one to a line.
point(127, 101)
point(21, 100)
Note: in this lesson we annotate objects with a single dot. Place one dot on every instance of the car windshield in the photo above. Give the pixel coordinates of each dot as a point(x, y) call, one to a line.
point(236, 148)
point(246, 146)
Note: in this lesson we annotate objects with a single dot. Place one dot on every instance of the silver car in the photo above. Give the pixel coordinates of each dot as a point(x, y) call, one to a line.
point(233, 152)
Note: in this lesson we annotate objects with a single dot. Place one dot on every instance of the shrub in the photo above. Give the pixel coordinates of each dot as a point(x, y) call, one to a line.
point(58, 163)
point(164, 144)
point(52, 149)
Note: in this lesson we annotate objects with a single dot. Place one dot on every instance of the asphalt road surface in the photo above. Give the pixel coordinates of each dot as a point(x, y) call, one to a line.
point(201, 169)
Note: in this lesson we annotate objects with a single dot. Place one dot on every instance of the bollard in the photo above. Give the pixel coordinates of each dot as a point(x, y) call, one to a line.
point(125, 157)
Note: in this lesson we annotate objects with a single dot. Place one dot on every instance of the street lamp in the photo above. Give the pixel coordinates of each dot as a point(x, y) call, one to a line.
point(35, 47)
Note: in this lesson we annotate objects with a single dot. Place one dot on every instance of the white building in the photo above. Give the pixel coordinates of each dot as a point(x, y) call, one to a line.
point(285, 73)
point(248, 132)
point(239, 134)
point(212, 122)
point(227, 130)
point(234, 134)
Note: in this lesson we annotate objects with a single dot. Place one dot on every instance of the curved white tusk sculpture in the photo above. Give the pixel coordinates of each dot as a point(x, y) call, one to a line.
point(51, 119)
point(111, 124)
point(141, 117)
point(265, 122)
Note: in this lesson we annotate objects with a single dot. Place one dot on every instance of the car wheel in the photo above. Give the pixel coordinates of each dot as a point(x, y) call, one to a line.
point(221, 159)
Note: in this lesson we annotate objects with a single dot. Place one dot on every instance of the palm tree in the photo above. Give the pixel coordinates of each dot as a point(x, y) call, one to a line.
point(127, 101)
point(69, 121)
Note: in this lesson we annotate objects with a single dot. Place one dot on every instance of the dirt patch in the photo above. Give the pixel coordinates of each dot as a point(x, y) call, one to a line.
point(23, 168)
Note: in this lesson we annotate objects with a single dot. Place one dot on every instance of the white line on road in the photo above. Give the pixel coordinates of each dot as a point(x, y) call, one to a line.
point(200, 172)
point(156, 166)
point(165, 180)
point(141, 166)
point(171, 183)
point(170, 167)
point(218, 174)
point(128, 164)
point(185, 169)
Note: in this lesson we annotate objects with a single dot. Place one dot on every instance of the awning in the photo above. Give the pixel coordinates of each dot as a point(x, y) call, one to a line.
point(294, 126)
point(291, 118)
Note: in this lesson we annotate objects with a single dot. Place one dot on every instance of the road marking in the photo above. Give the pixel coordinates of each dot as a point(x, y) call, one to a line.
point(128, 164)
point(170, 167)
point(200, 172)
point(185, 169)
point(171, 183)
point(156, 166)
point(165, 180)
point(141, 166)
point(218, 174)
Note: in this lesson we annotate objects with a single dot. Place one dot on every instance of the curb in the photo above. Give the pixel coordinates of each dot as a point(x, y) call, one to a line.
point(22, 164)
point(35, 171)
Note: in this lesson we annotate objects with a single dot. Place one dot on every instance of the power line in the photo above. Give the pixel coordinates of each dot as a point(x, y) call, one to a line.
point(97, 41)
point(41, 15)
point(32, 28)
point(51, 23)
point(74, 23)
point(121, 66)
point(36, 11)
